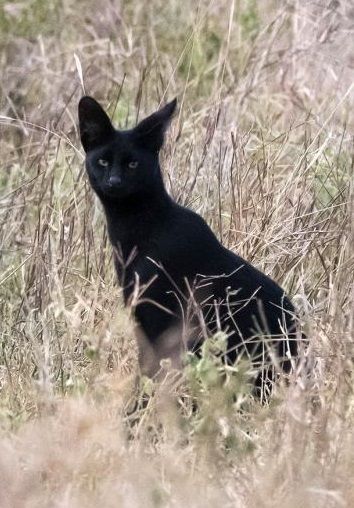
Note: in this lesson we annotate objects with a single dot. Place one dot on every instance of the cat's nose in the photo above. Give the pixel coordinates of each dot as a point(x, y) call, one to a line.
point(114, 181)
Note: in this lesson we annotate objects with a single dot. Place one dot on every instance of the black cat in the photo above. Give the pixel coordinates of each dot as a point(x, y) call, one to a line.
point(183, 284)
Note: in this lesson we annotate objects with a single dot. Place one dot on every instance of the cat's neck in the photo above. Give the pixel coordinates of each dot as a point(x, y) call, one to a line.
point(132, 220)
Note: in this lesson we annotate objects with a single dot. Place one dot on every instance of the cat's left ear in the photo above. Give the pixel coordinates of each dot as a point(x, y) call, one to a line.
point(150, 132)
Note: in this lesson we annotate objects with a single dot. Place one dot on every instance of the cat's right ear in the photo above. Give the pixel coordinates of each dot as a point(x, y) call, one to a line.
point(95, 126)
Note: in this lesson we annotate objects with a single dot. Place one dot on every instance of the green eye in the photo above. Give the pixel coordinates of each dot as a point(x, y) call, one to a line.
point(133, 164)
point(103, 163)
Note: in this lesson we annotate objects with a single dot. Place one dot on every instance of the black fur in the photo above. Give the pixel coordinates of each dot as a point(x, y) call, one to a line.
point(171, 252)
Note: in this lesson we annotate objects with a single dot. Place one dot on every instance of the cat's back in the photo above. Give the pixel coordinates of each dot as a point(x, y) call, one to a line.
point(183, 234)
point(185, 246)
point(183, 237)
point(189, 248)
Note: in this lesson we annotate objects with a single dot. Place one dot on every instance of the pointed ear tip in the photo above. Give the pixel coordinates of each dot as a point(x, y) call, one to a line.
point(171, 106)
point(87, 101)
point(85, 98)
point(83, 102)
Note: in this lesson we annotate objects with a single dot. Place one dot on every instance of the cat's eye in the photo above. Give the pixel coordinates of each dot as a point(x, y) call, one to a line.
point(103, 162)
point(133, 164)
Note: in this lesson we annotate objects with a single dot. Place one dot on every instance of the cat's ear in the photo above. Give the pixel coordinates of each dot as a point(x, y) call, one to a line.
point(150, 131)
point(95, 126)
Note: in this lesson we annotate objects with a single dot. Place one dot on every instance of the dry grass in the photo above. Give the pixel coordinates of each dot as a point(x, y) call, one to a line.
point(263, 149)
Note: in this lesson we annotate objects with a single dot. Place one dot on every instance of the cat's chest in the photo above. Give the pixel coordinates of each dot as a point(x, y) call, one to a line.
point(132, 238)
point(138, 273)
point(136, 262)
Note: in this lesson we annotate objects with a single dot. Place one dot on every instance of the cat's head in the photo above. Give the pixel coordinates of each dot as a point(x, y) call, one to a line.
point(121, 163)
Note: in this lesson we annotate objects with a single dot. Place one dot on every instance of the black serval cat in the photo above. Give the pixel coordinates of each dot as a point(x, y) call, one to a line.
point(184, 285)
